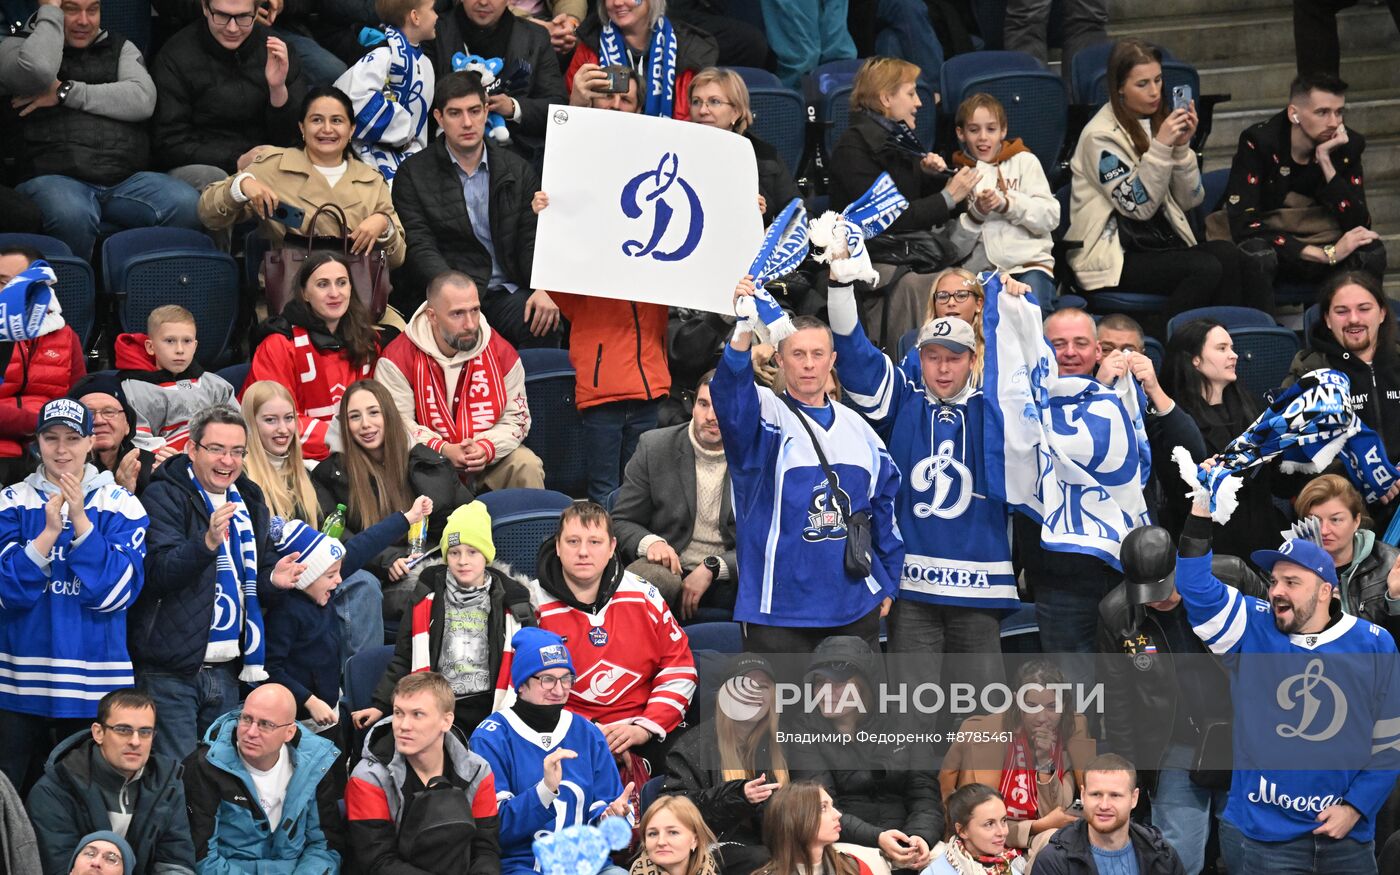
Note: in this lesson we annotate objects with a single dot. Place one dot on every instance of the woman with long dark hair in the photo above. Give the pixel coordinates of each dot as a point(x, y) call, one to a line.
point(322, 341)
point(1200, 374)
point(322, 171)
point(800, 830)
point(1135, 176)
point(377, 472)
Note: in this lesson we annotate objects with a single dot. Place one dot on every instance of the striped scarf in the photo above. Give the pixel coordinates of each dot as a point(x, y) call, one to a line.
point(236, 573)
point(661, 64)
point(454, 417)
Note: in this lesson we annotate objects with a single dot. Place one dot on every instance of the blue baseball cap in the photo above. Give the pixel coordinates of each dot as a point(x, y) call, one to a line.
point(1299, 551)
point(68, 412)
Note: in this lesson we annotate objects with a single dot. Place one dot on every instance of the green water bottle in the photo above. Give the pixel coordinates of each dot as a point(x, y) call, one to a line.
point(335, 523)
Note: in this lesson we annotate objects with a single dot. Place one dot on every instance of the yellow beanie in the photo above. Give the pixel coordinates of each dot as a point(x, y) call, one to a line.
point(469, 524)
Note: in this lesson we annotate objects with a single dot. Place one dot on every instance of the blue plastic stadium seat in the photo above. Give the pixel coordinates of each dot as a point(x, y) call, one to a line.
point(362, 673)
point(555, 427)
point(757, 77)
point(780, 120)
point(1265, 355)
point(721, 637)
point(960, 71)
point(76, 286)
point(1230, 317)
point(522, 520)
point(150, 267)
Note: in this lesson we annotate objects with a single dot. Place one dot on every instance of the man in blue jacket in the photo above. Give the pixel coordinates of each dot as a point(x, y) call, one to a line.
point(196, 631)
point(260, 792)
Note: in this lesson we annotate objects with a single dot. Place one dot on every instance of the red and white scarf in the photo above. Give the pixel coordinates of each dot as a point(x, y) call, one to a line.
point(1018, 777)
point(474, 407)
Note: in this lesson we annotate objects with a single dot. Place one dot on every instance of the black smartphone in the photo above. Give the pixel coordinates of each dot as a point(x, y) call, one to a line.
point(289, 216)
point(619, 79)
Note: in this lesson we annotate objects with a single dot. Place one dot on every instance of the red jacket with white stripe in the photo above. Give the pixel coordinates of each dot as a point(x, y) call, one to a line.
point(632, 661)
point(316, 374)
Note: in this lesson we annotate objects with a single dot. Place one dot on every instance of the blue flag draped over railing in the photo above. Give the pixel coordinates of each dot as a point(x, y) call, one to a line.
point(24, 301)
point(1305, 429)
point(1067, 451)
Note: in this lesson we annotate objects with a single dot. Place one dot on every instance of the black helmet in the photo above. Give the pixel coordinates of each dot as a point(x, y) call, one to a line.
point(1149, 564)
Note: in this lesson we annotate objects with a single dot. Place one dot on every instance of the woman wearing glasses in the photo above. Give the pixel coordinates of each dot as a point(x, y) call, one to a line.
point(554, 765)
point(72, 561)
point(720, 99)
point(464, 610)
point(321, 342)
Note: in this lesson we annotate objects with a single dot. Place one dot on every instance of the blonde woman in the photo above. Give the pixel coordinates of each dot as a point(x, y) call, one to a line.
point(275, 460)
point(884, 102)
point(675, 840)
point(740, 739)
point(720, 99)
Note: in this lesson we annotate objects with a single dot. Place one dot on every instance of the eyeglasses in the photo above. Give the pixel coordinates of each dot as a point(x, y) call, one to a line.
point(247, 722)
point(712, 103)
point(111, 858)
point(549, 681)
point(221, 450)
point(960, 296)
point(121, 730)
point(243, 20)
point(108, 413)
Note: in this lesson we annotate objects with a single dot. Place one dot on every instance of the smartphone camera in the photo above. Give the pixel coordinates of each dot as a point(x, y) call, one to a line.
point(619, 79)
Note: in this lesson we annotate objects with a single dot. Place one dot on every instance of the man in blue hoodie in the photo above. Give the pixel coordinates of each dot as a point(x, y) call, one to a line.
point(260, 792)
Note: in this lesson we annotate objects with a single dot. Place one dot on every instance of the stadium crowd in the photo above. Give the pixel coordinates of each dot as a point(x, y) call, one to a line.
point(192, 561)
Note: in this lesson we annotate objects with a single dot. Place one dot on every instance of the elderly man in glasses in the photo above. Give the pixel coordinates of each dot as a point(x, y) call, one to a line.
point(106, 778)
point(197, 629)
point(261, 791)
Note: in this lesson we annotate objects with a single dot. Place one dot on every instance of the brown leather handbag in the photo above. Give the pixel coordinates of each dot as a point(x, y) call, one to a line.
point(369, 272)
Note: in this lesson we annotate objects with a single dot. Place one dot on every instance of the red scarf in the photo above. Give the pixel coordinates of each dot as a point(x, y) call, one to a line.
point(476, 404)
point(1018, 779)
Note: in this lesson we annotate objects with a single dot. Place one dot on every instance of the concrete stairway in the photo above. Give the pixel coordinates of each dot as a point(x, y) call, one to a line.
point(1247, 52)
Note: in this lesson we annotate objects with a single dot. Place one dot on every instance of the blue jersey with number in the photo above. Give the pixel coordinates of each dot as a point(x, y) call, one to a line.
point(516, 754)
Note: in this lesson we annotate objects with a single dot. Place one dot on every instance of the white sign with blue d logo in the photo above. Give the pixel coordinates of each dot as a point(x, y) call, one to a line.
point(646, 209)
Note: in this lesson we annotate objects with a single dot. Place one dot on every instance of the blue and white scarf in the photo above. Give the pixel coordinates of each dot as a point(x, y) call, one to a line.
point(1305, 428)
point(237, 617)
point(1068, 451)
point(784, 247)
point(25, 300)
point(661, 64)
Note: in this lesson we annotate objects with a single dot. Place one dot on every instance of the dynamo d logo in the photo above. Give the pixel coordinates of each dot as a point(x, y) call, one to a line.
point(1297, 690)
point(827, 512)
point(673, 202)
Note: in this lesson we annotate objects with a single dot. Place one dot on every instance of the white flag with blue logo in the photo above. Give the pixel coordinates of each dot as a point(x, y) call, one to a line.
point(1068, 451)
point(646, 209)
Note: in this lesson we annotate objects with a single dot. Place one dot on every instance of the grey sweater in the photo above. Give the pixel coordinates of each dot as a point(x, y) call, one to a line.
point(30, 66)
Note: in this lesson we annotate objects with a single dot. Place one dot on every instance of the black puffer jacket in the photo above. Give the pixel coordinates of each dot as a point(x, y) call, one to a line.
point(428, 474)
point(891, 787)
point(213, 103)
point(428, 198)
point(1375, 387)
